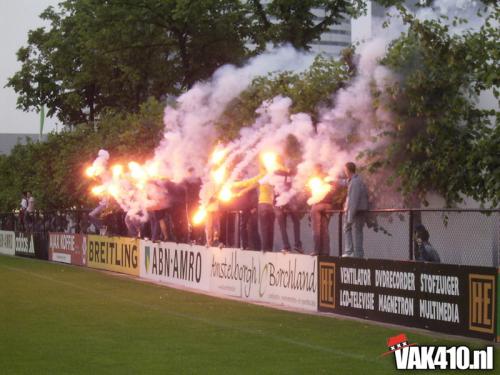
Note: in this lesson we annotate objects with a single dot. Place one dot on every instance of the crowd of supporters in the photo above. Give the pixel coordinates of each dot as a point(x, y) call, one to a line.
point(247, 221)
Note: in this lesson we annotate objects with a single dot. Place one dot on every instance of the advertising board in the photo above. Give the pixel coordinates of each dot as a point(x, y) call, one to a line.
point(68, 248)
point(447, 298)
point(281, 279)
point(7, 242)
point(178, 264)
point(118, 254)
point(24, 245)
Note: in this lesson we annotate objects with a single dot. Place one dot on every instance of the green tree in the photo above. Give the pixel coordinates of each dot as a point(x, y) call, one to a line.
point(309, 90)
point(300, 22)
point(54, 170)
point(443, 142)
point(115, 54)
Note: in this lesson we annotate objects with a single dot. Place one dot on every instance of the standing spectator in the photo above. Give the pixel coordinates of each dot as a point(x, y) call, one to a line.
point(95, 215)
point(246, 205)
point(355, 205)
point(158, 213)
point(178, 211)
point(320, 218)
point(134, 225)
point(265, 206)
point(22, 210)
point(293, 210)
point(212, 223)
point(424, 251)
point(30, 212)
point(192, 184)
point(296, 206)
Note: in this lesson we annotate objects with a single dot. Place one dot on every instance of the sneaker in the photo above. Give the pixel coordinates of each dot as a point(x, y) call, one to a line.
point(347, 255)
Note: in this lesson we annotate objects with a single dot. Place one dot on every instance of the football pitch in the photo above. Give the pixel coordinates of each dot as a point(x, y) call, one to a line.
point(58, 319)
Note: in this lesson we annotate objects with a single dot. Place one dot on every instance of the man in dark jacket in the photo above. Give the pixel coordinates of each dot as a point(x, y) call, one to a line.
point(355, 207)
point(424, 251)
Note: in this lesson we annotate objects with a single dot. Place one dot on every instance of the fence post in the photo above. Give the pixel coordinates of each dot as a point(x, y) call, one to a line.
point(341, 233)
point(410, 235)
point(239, 229)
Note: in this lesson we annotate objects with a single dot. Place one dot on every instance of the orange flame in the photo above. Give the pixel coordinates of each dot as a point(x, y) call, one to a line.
point(318, 186)
point(225, 195)
point(200, 216)
point(98, 190)
point(117, 170)
point(152, 169)
point(218, 155)
point(90, 171)
point(94, 171)
point(270, 161)
point(113, 190)
point(219, 175)
point(136, 171)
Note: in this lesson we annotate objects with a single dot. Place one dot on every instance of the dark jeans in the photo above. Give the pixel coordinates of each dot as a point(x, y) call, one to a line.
point(29, 221)
point(155, 226)
point(320, 221)
point(266, 223)
point(133, 226)
point(249, 229)
point(281, 215)
point(180, 223)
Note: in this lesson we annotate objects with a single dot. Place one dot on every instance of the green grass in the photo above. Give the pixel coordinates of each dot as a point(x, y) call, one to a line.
point(57, 319)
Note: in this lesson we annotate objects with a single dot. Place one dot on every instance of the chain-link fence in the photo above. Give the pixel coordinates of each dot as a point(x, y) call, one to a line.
point(68, 221)
point(463, 237)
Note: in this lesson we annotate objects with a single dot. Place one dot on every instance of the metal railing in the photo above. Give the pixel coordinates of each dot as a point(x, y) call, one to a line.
point(69, 221)
point(460, 236)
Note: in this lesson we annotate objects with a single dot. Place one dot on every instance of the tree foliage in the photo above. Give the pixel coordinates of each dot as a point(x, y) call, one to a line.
point(443, 141)
point(103, 59)
point(97, 55)
point(115, 54)
point(301, 22)
point(309, 91)
point(53, 170)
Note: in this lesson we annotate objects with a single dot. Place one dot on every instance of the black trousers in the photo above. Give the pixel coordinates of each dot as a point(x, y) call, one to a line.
point(266, 223)
point(249, 229)
point(281, 216)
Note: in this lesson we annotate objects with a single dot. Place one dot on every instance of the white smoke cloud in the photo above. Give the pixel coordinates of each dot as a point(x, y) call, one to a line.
point(346, 128)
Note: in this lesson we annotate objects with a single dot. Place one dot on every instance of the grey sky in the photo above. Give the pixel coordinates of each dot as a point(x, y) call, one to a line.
point(17, 17)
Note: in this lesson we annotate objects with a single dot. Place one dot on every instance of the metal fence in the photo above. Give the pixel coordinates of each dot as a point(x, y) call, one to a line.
point(69, 221)
point(463, 237)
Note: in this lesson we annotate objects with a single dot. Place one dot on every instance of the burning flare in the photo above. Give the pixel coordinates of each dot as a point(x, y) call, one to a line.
point(319, 188)
point(218, 155)
point(270, 161)
point(152, 170)
point(94, 171)
point(200, 216)
point(117, 170)
point(114, 190)
point(219, 175)
point(225, 195)
point(98, 190)
point(136, 171)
